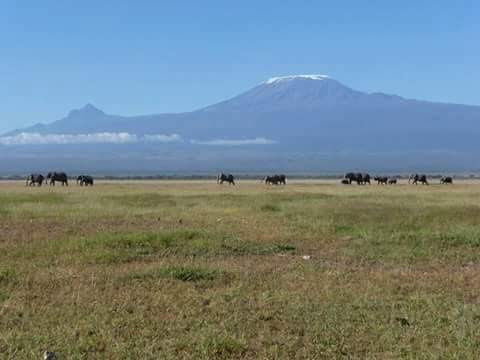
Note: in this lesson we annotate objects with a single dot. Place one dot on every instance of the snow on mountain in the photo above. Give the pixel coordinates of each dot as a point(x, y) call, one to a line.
point(291, 92)
point(294, 77)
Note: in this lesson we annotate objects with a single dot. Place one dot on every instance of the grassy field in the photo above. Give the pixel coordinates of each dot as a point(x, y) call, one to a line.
point(185, 269)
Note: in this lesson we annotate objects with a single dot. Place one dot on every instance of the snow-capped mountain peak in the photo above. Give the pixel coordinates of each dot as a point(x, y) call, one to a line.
point(295, 77)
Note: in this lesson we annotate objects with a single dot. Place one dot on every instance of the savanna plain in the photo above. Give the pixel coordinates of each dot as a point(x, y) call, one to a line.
point(196, 270)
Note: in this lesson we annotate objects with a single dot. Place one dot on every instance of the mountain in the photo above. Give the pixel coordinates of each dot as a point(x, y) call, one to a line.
point(312, 120)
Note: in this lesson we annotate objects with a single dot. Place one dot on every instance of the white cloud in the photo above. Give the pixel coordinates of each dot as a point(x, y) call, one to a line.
point(236, 142)
point(119, 138)
point(163, 138)
point(105, 137)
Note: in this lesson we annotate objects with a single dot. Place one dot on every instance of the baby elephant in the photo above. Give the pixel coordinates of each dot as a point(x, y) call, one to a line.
point(446, 180)
point(85, 180)
point(381, 180)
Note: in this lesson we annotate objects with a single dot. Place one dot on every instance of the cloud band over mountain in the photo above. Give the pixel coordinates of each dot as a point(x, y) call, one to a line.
point(25, 138)
point(95, 138)
point(235, 142)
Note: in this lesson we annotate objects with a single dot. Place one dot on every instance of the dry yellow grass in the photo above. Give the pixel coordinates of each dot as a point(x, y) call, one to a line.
point(190, 269)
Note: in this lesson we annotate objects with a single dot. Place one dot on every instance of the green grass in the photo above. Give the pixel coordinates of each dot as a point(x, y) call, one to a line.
point(182, 273)
point(270, 207)
point(147, 200)
point(35, 198)
point(221, 347)
point(110, 248)
point(192, 270)
point(7, 276)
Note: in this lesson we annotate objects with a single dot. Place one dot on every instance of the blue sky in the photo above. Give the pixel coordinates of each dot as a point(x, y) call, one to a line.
point(139, 57)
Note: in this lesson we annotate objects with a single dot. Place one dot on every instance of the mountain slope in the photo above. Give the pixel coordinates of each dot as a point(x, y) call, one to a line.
point(294, 116)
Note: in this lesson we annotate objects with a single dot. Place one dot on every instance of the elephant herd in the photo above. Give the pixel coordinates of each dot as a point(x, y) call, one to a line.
point(349, 178)
point(359, 178)
point(268, 180)
point(57, 177)
point(364, 178)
